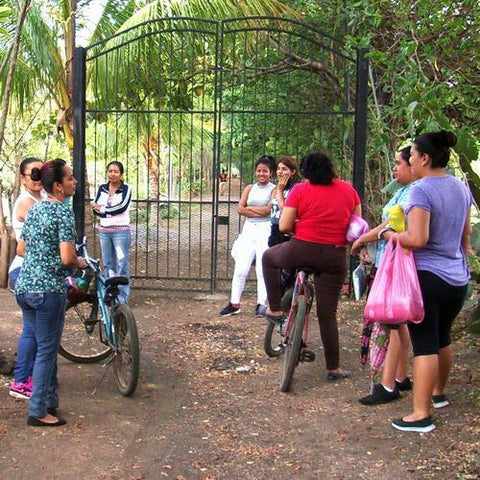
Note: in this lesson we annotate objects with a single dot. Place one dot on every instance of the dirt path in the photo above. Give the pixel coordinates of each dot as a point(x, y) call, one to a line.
point(195, 416)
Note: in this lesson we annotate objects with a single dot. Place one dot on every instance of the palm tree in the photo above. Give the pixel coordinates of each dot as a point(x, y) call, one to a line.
point(45, 60)
point(12, 63)
point(135, 69)
point(49, 39)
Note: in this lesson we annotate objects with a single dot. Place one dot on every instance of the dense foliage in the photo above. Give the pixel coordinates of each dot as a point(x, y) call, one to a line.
point(424, 75)
point(425, 66)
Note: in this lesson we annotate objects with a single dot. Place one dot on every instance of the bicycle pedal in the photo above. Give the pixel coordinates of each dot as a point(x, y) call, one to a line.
point(90, 326)
point(307, 356)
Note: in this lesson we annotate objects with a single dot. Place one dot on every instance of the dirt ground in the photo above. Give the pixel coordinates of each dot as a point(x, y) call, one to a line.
point(208, 406)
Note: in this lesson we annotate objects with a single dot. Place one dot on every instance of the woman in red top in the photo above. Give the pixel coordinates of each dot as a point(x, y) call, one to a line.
point(318, 210)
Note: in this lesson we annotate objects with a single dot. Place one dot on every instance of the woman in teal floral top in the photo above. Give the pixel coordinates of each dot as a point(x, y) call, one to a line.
point(48, 241)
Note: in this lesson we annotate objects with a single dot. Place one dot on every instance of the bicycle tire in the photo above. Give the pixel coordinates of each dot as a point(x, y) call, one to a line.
point(272, 344)
point(77, 344)
point(126, 363)
point(294, 345)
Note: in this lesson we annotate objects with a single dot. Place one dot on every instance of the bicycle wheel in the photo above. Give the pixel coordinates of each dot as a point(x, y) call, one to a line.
point(127, 359)
point(273, 341)
point(294, 345)
point(80, 341)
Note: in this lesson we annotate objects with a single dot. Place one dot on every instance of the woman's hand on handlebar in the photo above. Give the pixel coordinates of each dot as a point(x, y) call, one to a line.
point(82, 263)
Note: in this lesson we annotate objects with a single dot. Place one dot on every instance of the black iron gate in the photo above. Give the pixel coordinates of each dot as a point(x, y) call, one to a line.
point(180, 100)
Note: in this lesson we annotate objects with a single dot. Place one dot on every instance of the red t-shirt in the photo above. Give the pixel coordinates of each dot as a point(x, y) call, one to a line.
point(323, 211)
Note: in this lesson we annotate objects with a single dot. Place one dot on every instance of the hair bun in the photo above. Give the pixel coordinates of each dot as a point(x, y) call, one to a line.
point(36, 174)
point(447, 139)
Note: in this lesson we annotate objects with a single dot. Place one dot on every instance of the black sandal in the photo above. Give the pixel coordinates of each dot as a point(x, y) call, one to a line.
point(36, 422)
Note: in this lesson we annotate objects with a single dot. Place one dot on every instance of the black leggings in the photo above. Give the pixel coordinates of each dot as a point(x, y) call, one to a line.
point(442, 303)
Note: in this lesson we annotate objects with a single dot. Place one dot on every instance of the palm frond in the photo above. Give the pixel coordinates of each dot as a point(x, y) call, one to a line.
point(114, 15)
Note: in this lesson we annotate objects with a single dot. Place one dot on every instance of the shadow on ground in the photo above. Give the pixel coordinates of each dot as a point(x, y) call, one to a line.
point(208, 406)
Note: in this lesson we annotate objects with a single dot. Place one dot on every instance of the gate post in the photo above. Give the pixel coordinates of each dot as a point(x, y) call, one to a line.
point(79, 164)
point(360, 142)
point(217, 135)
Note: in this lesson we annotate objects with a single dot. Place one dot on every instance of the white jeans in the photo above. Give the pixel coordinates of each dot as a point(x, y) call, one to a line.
point(250, 245)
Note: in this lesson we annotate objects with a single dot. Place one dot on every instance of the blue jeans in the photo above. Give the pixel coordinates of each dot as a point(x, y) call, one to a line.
point(116, 258)
point(26, 351)
point(13, 275)
point(44, 315)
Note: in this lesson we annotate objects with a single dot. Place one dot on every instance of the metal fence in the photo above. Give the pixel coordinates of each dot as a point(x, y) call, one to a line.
point(180, 100)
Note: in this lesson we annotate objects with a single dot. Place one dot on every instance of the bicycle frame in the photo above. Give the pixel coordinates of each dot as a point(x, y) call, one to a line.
point(300, 288)
point(102, 292)
point(116, 340)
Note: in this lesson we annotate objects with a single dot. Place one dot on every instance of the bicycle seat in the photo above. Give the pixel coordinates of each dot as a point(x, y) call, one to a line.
point(113, 281)
point(307, 270)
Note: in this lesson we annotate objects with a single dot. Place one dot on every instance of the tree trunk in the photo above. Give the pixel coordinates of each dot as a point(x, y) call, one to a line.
point(4, 246)
point(152, 152)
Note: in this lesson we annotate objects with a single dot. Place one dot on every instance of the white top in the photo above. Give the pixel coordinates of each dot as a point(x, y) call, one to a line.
point(259, 196)
point(17, 225)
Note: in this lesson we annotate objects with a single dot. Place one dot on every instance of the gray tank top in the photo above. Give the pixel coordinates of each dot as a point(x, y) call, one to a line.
point(259, 196)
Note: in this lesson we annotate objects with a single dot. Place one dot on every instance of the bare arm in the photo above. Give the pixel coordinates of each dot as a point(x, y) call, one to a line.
point(370, 236)
point(252, 212)
point(23, 207)
point(418, 231)
point(287, 219)
point(69, 257)
point(467, 233)
point(242, 204)
point(278, 192)
point(20, 248)
point(259, 211)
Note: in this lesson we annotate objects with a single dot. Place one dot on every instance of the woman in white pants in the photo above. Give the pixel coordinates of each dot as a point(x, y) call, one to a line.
point(253, 241)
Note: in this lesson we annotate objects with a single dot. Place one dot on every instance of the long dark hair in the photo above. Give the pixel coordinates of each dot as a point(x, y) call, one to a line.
point(27, 161)
point(317, 168)
point(51, 172)
point(291, 163)
point(437, 145)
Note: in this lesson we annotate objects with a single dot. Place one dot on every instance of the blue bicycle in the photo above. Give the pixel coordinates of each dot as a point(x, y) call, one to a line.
point(98, 327)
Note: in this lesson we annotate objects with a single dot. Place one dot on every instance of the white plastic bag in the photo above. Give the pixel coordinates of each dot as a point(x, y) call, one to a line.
point(359, 281)
point(357, 226)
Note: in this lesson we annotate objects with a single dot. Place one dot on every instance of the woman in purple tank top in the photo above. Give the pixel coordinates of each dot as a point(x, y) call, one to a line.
point(439, 234)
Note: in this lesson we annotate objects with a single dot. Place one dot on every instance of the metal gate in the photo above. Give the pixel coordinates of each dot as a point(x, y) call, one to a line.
point(179, 100)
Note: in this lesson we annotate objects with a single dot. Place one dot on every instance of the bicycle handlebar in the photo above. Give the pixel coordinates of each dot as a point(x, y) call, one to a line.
point(91, 262)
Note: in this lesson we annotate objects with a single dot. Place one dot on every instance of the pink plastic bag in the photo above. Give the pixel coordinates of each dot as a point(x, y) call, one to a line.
point(357, 226)
point(395, 296)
